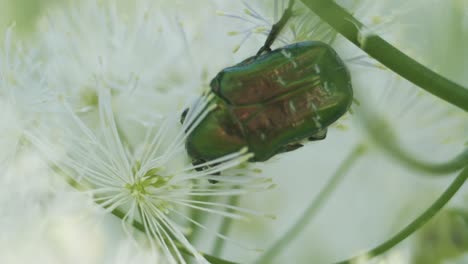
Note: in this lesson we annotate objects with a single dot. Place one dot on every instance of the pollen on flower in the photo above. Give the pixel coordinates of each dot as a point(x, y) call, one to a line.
point(89, 97)
point(377, 20)
point(261, 29)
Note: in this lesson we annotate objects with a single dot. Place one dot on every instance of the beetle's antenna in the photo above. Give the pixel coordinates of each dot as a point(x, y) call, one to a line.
point(276, 29)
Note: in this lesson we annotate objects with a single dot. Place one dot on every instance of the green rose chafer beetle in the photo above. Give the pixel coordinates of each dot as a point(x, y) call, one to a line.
point(273, 101)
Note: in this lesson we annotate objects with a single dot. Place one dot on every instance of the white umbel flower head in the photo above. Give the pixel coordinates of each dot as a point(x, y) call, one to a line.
point(151, 182)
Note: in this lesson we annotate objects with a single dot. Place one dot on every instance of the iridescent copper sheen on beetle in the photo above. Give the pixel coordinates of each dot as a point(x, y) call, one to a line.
point(270, 103)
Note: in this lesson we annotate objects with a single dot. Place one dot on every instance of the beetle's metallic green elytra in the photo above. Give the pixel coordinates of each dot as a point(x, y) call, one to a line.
point(270, 103)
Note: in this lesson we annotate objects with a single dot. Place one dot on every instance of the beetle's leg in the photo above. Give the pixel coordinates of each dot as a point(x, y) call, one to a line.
point(197, 162)
point(183, 115)
point(291, 147)
point(214, 181)
point(322, 134)
point(201, 161)
point(276, 29)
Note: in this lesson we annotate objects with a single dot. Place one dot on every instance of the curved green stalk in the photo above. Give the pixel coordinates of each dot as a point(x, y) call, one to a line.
point(391, 57)
point(224, 228)
point(198, 217)
point(416, 224)
point(313, 208)
point(382, 134)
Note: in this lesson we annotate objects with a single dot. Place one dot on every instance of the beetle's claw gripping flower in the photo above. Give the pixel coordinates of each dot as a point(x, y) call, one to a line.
point(152, 181)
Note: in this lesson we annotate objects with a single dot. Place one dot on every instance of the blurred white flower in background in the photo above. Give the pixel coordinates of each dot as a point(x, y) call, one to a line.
point(24, 95)
point(92, 88)
point(43, 222)
point(136, 50)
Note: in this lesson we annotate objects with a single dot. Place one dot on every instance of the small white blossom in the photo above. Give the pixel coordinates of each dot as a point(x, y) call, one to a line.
point(41, 221)
point(152, 181)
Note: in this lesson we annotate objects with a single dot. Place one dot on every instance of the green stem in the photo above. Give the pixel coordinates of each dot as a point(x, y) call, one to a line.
point(224, 228)
point(198, 216)
point(314, 207)
point(391, 57)
point(383, 135)
point(417, 223)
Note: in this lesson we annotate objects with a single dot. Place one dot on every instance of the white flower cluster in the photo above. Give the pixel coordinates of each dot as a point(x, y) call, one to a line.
point(90, 130)
point(95, 99)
